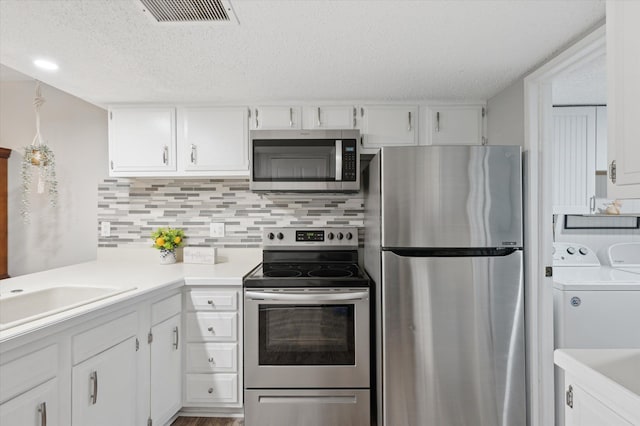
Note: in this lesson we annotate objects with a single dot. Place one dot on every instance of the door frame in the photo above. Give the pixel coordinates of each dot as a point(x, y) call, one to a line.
point(538, 219)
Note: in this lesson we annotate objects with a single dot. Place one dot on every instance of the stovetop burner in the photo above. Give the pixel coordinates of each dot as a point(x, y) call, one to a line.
point(282, 273)
point(307, 275)
point(330, 272)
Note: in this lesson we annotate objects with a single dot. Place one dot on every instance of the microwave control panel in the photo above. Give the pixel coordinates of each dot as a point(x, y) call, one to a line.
point(349, 160)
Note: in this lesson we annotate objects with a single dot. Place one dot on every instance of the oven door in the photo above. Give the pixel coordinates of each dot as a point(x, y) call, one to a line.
point(312, 338)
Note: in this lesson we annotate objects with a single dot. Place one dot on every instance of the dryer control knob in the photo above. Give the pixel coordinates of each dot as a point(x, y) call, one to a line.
point(330, 235)
point(349, 235)
point(340, 236)
point(571, 250)
point(583, 251)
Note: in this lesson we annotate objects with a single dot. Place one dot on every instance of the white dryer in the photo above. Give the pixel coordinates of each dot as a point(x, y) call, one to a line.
point(625, 257)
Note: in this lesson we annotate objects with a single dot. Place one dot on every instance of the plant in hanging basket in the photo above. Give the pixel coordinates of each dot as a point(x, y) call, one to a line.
point(38, 158)
point(167, 239)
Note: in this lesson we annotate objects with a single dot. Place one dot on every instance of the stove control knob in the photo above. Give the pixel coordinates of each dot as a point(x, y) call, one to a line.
point(330, 235)
point(280, 236)
point(349, 235)
point(340, 236)
point(270, 236)
point(583, 251)
point(571, 250)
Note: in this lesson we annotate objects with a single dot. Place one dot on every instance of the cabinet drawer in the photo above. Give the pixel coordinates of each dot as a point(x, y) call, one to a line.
point(28, 371)
point(212, 326)
point(212, 357)
point(96, 340)
point(166, 308)
point(211, 388)
point(212, 300)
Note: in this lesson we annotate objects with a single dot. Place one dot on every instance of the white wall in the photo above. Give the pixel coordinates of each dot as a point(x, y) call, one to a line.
point(505, 118)
point(77, 133)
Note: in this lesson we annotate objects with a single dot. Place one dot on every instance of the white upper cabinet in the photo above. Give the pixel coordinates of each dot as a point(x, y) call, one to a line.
point(275, 117)
point(574, 160)
point(213, 139)
point(142, 139)
point(454, 124)
point(389, 125)
point(623, 91)
point(329, 117)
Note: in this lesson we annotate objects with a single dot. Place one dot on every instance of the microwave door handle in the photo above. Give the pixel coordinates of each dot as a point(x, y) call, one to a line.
point(339, 160)
point(303, 297)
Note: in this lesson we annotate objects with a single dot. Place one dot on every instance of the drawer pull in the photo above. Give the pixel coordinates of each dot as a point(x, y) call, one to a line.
point(210, 390)
point(211, 360)
point(176, 335)
point(210, 329)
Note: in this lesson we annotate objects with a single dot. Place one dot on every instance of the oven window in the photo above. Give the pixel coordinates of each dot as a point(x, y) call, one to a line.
point(306, 335)
point(309, 160)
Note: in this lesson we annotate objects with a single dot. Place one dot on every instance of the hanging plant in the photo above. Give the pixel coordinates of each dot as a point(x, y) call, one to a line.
point(38, 159)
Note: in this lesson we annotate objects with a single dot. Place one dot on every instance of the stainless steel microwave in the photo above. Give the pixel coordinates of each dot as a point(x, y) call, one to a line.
point(305, 160)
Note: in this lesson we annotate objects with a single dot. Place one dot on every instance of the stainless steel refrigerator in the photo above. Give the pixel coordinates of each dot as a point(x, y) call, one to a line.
point(443, 243)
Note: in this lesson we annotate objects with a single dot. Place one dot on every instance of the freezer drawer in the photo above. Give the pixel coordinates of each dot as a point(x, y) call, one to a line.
point(296, 407)
point(453, 341)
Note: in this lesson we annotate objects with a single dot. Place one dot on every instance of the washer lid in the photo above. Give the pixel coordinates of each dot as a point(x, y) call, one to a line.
point(625, 255)
point(594, 278)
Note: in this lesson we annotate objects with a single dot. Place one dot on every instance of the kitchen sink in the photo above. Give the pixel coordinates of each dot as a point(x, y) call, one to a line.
point(16, 309)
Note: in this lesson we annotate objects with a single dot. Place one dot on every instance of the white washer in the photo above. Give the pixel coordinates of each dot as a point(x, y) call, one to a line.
point(594, 306)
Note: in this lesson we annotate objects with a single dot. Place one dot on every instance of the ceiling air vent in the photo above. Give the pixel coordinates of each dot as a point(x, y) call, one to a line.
point(218, 11)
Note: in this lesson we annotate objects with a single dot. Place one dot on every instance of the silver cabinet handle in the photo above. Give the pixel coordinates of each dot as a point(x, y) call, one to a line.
point(210, 330)
point(42, 409)
point(211, 360)
point(256, 118)
point(165, 155)
point(338, 160)
point(592, 203)
point(437, 121)
point(176, 337)
point(93, 392)
point(290, 117)
point(354, 117)
point(319, 121)
point(210, 390)
point(612, 171)
point(259, 295)
point(111, 164)
point(194, 150)
point(409, 128)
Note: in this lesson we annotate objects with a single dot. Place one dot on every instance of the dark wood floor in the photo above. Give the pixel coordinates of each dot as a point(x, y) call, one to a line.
point(207, 421)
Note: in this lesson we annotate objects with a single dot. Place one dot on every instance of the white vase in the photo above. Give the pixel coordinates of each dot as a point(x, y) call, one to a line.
point(168, 257)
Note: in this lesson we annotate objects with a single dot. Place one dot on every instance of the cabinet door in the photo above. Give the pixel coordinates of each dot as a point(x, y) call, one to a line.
point(166, 370)
point(37, 407)
point(455, 125)
point(623, 92)
point(329, 117)
point(213, 139)
point(275, 117)
point(142, 140)
point(389, 125)
point(574, 162)
point(104, 387)
point(589, 411)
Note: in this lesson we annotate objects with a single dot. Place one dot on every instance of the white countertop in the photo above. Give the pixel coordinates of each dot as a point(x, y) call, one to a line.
point(611, 375)
point(135, 270)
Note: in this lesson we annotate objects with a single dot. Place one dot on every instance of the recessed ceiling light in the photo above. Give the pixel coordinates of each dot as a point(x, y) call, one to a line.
point(45, 65)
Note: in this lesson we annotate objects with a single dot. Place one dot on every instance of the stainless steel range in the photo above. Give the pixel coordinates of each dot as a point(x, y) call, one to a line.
point(307, 335)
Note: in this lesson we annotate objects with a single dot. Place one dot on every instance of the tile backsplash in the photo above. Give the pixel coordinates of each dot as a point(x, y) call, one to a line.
point(135, 207)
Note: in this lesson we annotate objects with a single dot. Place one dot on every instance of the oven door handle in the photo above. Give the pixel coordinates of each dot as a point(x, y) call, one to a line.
point(304, 297)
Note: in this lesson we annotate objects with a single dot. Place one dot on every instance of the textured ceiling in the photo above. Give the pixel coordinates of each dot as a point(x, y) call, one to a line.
point(586, 85)
point(288, 50)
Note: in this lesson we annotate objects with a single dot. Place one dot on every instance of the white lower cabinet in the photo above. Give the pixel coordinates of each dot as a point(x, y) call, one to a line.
point(583, 409)
point(214, 333)
point(37, 407)
point(166, 361)
point(104, 387)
